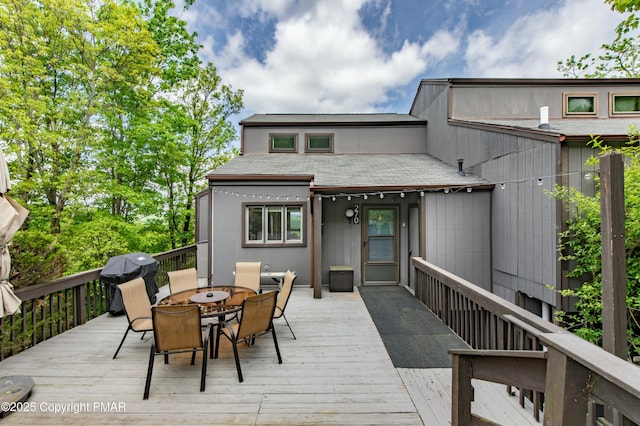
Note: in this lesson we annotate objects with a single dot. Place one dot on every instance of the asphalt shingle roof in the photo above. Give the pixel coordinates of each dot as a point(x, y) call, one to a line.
point(352, 170)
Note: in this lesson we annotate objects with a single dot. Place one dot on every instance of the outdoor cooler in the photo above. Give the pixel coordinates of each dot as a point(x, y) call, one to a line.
point(120, 269)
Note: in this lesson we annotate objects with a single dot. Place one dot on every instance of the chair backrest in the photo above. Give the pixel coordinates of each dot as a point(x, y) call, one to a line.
point(183, 279)
point(257, 314)
point(285, 292)
point(248, 274)
point(135, 300)
point(176, 327)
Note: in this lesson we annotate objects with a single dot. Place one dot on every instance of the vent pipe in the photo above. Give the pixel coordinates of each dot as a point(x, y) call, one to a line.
point(460, 171)
point(544, 118)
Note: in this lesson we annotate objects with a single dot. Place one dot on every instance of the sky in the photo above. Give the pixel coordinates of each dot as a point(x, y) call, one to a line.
point(368, 56)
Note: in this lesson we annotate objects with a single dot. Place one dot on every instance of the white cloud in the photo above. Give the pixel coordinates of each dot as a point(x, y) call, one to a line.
point(532, 45)
point(323, 60)
point(320, 57)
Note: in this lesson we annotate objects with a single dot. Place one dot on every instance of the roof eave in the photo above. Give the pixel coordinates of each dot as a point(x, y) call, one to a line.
point(258, 177)
point(541, 134)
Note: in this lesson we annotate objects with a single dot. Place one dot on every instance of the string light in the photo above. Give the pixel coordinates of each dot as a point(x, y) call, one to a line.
point(587, 175)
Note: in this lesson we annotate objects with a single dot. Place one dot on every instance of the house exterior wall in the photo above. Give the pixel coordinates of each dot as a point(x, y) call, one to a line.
point(228, 216)
point(524, 222)
point(525, 219)
point(523, 100)
point(342, 239)
point(346, 140)
point(458, 234)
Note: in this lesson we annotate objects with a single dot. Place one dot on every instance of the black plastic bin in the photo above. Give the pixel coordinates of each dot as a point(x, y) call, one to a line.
point(120, 269)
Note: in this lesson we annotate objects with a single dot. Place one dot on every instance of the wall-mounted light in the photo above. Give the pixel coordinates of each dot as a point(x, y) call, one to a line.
point(353, 214)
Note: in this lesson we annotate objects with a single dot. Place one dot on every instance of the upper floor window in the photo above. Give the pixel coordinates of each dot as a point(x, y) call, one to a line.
point(319, 143)
point(624, 103)
point(283, 142)
point(273, 225)
point(580, 104)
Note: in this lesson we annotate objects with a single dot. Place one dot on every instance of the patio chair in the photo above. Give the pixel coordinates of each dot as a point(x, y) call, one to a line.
point(247, 274)
point(283, 298)
point(137, 307)
point(176, 329)
point(183, 279)
point(256, 319)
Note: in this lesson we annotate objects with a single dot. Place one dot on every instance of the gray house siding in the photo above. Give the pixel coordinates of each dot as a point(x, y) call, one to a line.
point(523, 225)
point(484, 123)
point(228, 216)
point(342, 239)
point(458, 234)
point(347, 140)
point(523, 99)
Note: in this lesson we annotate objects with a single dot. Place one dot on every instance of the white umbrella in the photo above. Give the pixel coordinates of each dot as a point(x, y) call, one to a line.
point(5, 183)
point(12, 215)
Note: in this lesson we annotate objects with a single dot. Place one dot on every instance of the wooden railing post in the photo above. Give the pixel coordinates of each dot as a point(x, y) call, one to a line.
point(79, 307)
point(461, 390)
point(565, 399)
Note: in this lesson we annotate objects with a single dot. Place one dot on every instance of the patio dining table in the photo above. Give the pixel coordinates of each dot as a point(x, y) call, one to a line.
point(214, 300)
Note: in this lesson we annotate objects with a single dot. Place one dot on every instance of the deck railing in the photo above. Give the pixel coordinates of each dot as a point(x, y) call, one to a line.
point(527, 353)
point(52, 308)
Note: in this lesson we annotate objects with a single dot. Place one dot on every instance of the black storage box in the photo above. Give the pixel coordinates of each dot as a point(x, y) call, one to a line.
point(340, 278)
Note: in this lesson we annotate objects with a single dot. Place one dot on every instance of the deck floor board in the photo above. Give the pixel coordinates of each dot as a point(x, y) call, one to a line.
point(337, 372)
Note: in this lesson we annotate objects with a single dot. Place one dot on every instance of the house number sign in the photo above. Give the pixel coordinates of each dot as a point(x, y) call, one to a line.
point(356, 214)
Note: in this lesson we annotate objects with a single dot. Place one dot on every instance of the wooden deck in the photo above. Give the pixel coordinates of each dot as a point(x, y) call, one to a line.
point(336, 372)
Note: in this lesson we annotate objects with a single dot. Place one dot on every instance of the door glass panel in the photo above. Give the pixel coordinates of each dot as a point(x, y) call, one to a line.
point(381, 245)
point(381, 235)
point(382, 222)
point(382, 249)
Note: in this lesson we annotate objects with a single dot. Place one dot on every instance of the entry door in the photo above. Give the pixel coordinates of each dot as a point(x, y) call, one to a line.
point(380, 245)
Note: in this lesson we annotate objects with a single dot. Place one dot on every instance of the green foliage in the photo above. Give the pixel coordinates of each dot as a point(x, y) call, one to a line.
point(110, 123)
point(581, 243)
point(36, 258)
point(620, 58)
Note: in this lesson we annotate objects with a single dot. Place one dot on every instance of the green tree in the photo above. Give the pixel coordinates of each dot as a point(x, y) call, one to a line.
point(580, 244)
point(199, 142)
point(620, 58)
point(92, 104)
point(43, 106)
